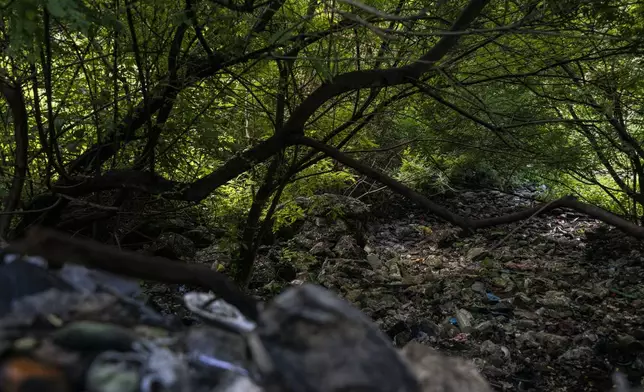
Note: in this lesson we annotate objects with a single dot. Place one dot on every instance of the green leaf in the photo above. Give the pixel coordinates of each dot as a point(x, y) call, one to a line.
point(56, 8)
point(323, 71)
point(280, 36)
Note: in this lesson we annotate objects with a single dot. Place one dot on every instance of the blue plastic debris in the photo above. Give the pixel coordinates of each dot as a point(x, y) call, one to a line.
point(492, 298)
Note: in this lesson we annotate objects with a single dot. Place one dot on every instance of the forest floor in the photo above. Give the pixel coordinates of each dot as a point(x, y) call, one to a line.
point(552, 303)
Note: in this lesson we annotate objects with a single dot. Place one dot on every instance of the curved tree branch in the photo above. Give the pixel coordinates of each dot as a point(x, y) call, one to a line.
point(383, 77)
point(377, 175)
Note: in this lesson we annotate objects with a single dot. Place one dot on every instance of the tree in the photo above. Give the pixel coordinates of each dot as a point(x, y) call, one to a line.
point(182, 100)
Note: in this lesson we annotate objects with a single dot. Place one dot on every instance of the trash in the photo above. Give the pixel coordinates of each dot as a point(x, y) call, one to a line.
point(216, 310)
point(308, 330)
point(306, 339)
point(163, 369)
point(94, 337)
point(492, 298)
point(25, 374)
point(464, 320)
point(475, 254)
point(437, 373)
point(113, 372)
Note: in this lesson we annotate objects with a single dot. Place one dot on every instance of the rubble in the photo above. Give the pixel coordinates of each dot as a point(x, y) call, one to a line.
point(69, 337)
point(557, 305)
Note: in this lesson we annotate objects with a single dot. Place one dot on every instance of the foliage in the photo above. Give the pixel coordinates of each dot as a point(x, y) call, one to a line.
point(297, 258)
point(474, 174)
point(207, 95)
point(25, 29)
point(309, 183)
point(288, 215)
point(419, 173)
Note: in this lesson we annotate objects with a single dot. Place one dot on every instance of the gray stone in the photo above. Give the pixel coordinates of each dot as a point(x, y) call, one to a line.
point(374, 261)
point(347, 247)
point(478, 287)
point(321, 249)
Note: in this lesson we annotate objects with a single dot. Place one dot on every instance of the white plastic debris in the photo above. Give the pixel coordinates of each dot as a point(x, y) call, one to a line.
point(208, 307)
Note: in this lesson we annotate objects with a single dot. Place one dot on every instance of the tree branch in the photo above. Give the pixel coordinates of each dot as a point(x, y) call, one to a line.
point(383, 77)
point(13, 95)
point(60, 249)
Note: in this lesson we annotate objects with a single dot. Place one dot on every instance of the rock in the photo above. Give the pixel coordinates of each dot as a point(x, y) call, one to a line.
point(347, 247)
point(586, 339)
point(524, 314)
point(527, 340)
point(340, 273)
point(496, 355)
point(522, 299)
point(526, 324)
point(408, 231)
point(600, 291)
point(503, 282)
point(374, 261)
point(435, 262)
point(428, 328)
point(478, 287)
point(304, 242)
point(502, 307)
point(321, 249)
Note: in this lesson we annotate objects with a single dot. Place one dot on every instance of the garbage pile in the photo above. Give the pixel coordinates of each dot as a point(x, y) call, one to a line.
point(74, 328)
point(66, 327)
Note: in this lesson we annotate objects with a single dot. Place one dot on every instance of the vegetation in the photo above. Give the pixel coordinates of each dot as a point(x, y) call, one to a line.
point(235, 107)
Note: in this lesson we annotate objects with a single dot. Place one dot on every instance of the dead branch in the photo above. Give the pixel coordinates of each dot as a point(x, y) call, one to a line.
point(381, 177)
point(464, 222)
point(58, 248)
